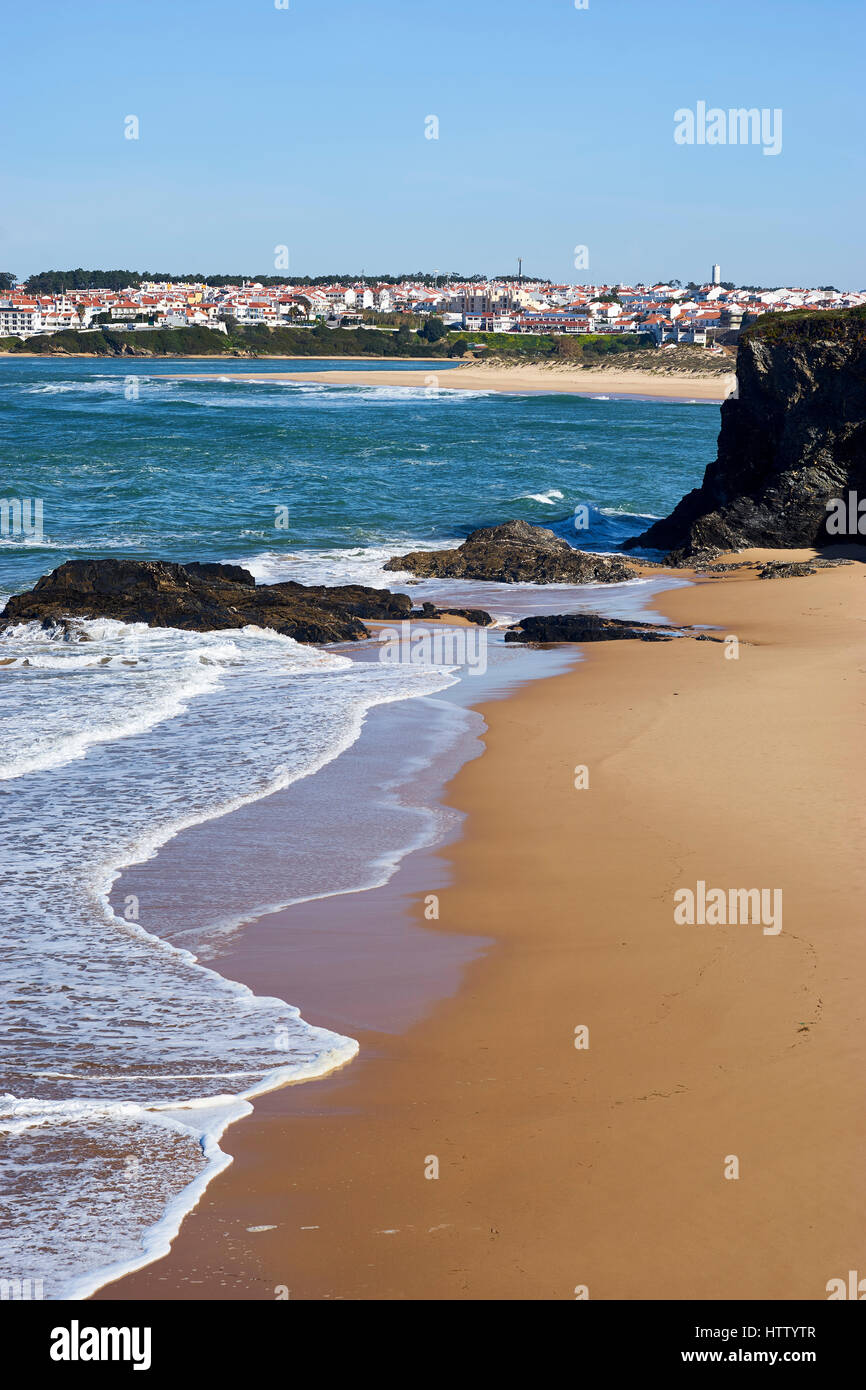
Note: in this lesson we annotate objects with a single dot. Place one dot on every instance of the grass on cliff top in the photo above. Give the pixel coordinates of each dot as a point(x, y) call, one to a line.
point(809, 326)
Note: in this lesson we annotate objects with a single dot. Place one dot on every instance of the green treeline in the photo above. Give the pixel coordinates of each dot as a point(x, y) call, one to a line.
point(59, 281)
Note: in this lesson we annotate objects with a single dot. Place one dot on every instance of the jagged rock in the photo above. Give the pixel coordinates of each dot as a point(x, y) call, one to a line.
point(479, 616)
point(208, 569)
point(792, 440)
point(201, 598)
point(515, 553)
point(704, 568)
point(699, 560)
point(585, 627)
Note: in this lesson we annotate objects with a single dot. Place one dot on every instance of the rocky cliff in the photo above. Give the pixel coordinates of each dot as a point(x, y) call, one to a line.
point(793, 439)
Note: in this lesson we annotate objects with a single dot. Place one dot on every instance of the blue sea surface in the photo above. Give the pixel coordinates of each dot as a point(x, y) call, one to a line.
point(130, 459)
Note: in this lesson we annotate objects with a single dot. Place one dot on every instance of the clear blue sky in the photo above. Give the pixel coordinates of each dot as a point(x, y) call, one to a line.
point(305, 127)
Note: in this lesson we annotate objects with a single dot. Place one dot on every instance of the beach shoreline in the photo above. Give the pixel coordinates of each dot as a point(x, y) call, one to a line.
point(559, 1166)
point(515, 381)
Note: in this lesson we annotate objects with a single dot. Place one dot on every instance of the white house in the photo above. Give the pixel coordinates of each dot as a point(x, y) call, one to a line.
point(19, 318)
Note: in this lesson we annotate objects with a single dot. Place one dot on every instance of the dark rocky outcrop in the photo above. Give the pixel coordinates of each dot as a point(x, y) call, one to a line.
point(586, 627)
point(703, 566)
point(201, 598)
point(792, 439)
point(357, 599)
point(479, 616)
point(781, 569)
point(515, 553)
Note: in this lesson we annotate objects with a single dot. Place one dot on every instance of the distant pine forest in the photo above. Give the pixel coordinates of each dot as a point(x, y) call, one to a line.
point(60, 281)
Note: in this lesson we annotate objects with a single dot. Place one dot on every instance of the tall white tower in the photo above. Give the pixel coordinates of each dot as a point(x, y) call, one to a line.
point(717, 274)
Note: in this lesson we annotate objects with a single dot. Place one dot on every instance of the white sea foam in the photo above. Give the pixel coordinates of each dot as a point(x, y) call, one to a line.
point(124, 1057)
point(361, 564)
point(503, 601)
point(27, 543)
point(547, 498)
point(63, 388)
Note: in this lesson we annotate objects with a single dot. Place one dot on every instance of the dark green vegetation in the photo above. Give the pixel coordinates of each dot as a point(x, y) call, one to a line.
point(59, 281)
point(433, 340)
point(589, 347)
point(809, 325)
point(576, 347)
point(432, 330)
point(56, 281)
point(238, 342)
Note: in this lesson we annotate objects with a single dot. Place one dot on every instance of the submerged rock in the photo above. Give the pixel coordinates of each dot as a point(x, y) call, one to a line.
point(201, 598)
point(516, 553)
point(792, 440)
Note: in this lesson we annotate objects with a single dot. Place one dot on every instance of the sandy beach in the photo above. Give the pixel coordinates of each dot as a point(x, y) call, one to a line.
point(564, 1168)
point(608, 381)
